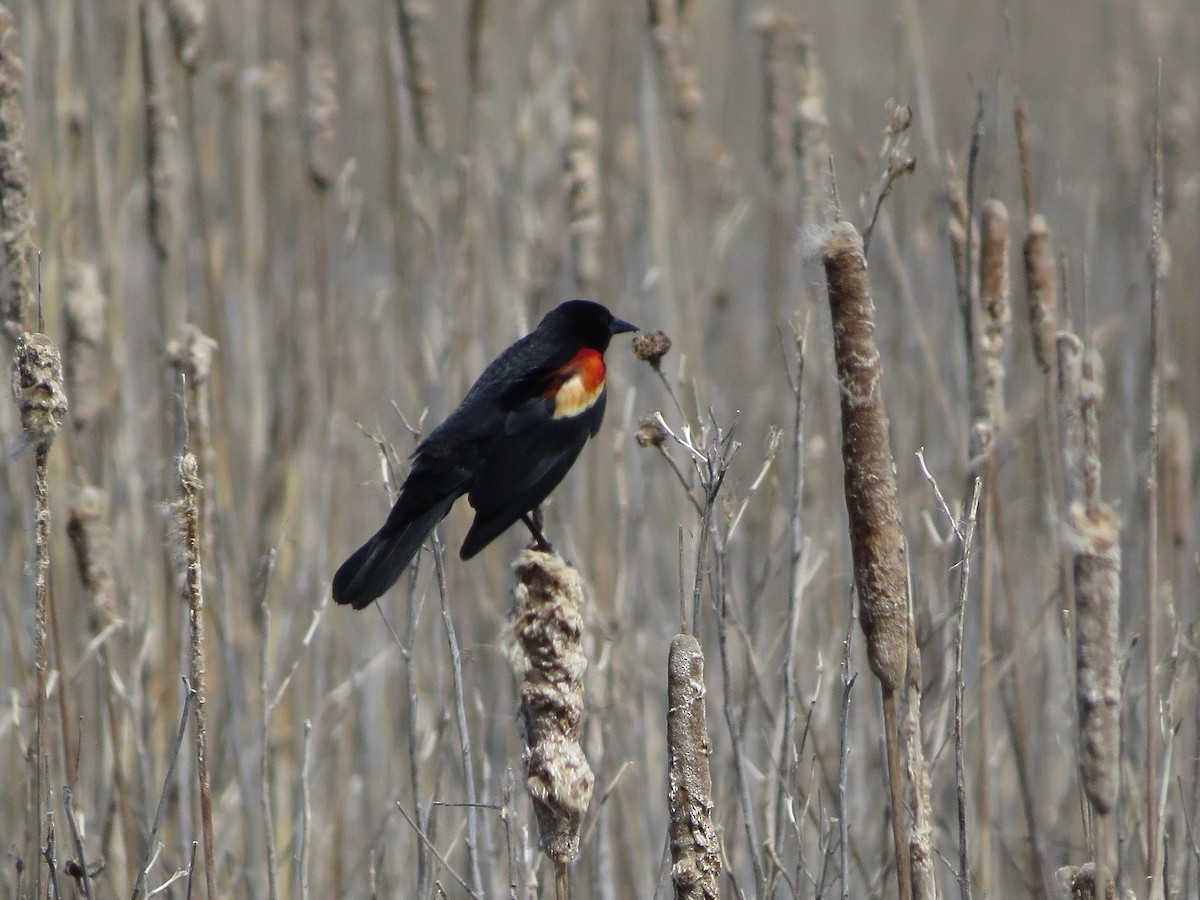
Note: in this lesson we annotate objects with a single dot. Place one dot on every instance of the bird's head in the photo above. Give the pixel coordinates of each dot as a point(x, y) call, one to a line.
point(586, 323)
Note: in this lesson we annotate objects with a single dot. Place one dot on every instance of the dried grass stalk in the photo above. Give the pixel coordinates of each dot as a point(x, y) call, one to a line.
point(695, 852)
point(546, 654)
point(876, 536)
point(920, 845)
point(16, 217)
point(92, 539)
point(1070, 379)
point(84, 351)
point(582, 179)
point(1041, 290)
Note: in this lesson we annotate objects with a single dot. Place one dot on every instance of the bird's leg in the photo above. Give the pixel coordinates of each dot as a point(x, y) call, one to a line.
point(533, 521)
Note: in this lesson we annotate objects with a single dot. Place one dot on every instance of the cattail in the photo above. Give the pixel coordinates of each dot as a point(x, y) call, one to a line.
point(92, 539)
point(987, 387)
point(84, 352)
point(158, 128)
point(16, 219)
point(1097, 569)
point(186, 19)
point(583, 191)
point(695, 850)
point(1041, 290)
point(669, 37)
point(876, 536)
point(1175, 476)
point(544, 649)
point(810, 132)
point(318, 98)
point(418, 67)
point(1079, 883)
point(37, 386)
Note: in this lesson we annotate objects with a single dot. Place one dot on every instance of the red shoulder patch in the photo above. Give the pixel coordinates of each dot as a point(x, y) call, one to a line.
point(576, 386)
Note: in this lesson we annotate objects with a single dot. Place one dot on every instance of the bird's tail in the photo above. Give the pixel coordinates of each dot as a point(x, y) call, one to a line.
point(377, 565)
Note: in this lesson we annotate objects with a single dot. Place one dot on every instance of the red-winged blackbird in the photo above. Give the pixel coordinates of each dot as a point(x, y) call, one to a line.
point(507, 446)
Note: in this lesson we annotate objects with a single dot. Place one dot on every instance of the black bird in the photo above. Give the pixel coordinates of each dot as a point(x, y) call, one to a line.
point(507, 446)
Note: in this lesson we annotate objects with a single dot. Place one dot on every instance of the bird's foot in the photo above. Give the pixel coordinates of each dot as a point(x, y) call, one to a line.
point(533, 521)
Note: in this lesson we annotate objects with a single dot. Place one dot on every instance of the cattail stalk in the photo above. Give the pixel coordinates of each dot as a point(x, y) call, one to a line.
point(37, 386)
point(318, 99)
point(187, 520)
point(546, 653)
point(695, 851)
point(876, 535)
point(669, 36)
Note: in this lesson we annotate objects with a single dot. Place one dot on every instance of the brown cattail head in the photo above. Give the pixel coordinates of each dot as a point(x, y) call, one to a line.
point(37, 386)
point(695, 851)
point(92, 539)
point(1041, 290)
point(1097, 670)
point(651, 346)
point(544, 649)
point(876, 536)
point(16, 220)
point(418, 67)
point(1175, 475)
point(84, 352)
point(1079, 883)
point(987, 387)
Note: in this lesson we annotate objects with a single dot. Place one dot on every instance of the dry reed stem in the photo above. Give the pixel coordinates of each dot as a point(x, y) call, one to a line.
point(545, 650)
point(920, 846)
point(187, 523)
point(876, 534)
point(695, 853)
point(16, 215)
point(582, 182)
point(1070, 378)
point(418, 71)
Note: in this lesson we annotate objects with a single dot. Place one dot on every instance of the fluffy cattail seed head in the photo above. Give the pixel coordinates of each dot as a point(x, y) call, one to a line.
point(37, 385)
point(651, 346)
point(650, 433)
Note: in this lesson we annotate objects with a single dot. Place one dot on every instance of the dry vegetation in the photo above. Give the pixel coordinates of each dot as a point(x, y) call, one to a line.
point(275, 241)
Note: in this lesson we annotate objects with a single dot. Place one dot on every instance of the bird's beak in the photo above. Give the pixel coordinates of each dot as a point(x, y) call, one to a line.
point(620, 326)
